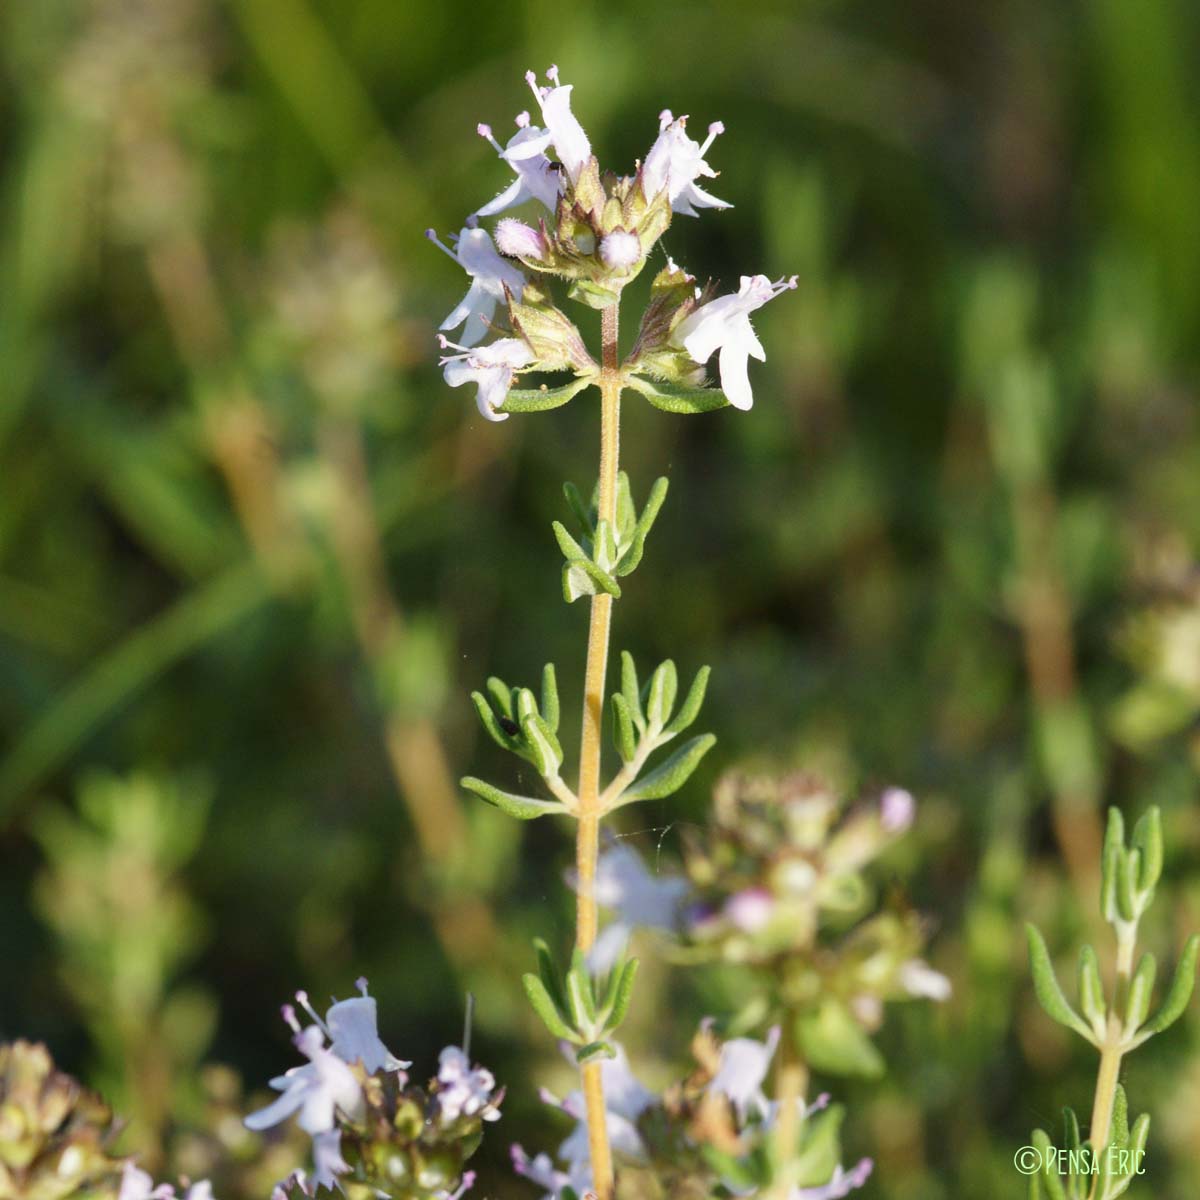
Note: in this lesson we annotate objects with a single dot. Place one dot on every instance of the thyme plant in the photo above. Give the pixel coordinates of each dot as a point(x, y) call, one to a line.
point(1104, 1164)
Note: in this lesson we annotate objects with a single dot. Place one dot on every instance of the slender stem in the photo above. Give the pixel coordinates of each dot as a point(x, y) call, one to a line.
point(1115, 1045)
point(588, 829)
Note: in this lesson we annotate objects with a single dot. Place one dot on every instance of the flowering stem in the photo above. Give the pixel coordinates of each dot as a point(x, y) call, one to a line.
point(588, 829)
point(1115, 1045)
point(791, 1083)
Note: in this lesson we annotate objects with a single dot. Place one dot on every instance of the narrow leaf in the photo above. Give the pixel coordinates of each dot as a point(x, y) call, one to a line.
point(1141, 989)
point(637, 546)
point(1114, 847)
point(674, 398)
point(664, 684)
point(548, 972)
point(593, 1052)
point(550, 697)
point(1049, 993)
point(1180, 992)
point(544, 1006)
point(623, 735)
point(1148, 839)
point(689, 710)
point(629, 689)
point(500, 693)
point(491, 723)
point(578, 509)
point(525, 808)
point(1091, 990)
point(530, 400)
point(624, 995)
point(671, 775)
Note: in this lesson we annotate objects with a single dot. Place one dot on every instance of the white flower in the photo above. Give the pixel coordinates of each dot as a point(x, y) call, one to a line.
point(316, 1090)
point(750, 909)
point(724, 324)
point(490, 367)
point(842, 1184)
point(200, 1190)
point(620, 250)
point(537, 177)
point(540, 1170)
point(463, 1092)
point(675, 162)
point(562, 130)
point(352, 1027)
point(918, 978)
point(137, 1184)
point(490, 275)
point(640, 899)
point(741, 1071)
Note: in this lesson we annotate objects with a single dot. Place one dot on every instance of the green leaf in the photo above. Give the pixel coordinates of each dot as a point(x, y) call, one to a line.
point(548, 972)
point(832, 1040)
point(1091, 990)
point(633, 555)
point(626, 512)
point(605, 546)
point(550, 697)
point(501, 694)
point(674, 398)
point(525, 808)
point(1040, 1140)
point(593, 1052)
point(1049, 993)
point(629, 689)
point(1114, 852)
point(1141, 989)
point(1128, 906)
point(819, 1152)
point(545, 1008)
point(581, 576)
point(530, 400)
point(545, 752)
point(623, 736)
point(1180, 992)
point(664, 685)
point(491, 723)
point(579, 510)
point(1148, 839)
point(671, 775)
point(580, 1002)
point(624, 994)
point(690, 709)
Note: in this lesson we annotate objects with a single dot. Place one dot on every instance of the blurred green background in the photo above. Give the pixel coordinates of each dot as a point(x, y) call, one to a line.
point(254, 553)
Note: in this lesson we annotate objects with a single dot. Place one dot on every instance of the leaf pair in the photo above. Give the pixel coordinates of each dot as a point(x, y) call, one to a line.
point(577, 1007)
point(606, 551)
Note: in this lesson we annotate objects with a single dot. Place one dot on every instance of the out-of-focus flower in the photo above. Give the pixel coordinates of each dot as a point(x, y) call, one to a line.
point(540, 1170)
point(563, 131)
point(897, 809)
point(842, 1184)
point(640, 899)
point(675, 162)
point(328, 1162)
point(918, 978)
point(316, 1091)
point(137, 1184)
point(464, 1090)
point(724, 324)
point(491, 368)
point(741, 1072)
point(490, 276)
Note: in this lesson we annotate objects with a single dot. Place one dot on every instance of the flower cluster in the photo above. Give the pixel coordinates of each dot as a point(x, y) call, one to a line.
point(593, 234)
point(373, 1133)
point(706, 1135)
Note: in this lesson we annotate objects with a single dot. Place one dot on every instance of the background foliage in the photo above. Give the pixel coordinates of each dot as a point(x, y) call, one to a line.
point(254, 554)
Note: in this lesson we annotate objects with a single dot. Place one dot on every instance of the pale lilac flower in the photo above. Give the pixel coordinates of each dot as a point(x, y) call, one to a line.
point(540, 1170)
point(463, 1091)
point(491, 368)
point(620, 250)
point(200, 1190)
point(328, 1162)
point(315, 1091)
point(537, 177)
point(518, 240)
point(465, 1185)
point(490, 276)
point(675, 162)
point(562, 130)
point(724, 324)
point(137, 1184)
point(897, 808)
point(625, 1099)
point(918, 978)
point(750, 909)
point(842, 1184)
point(352, 1027)
point(741, 1072)
point(639, 898)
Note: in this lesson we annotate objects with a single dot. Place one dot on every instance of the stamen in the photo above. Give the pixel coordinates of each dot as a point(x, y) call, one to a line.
point(431, 234)
point(289, 1016)
point(522, 120)
point(664, 119)
point(485, 131)
point(713, 130)
point(302, 1000)
point(466, 1042)
point(552, 75)
point(361, 984)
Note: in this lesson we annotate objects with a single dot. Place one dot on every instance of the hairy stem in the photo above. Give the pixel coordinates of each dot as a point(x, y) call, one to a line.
point(587, 843)
point(1115, 1045)
point(791, 1083)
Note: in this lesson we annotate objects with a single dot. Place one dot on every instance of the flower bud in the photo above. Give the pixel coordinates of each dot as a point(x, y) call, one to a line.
point(896, 810)
point(515, 239)
point(619, 250)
